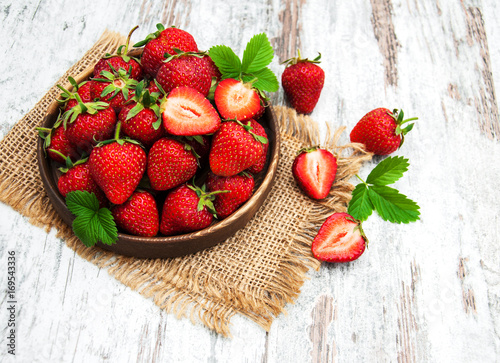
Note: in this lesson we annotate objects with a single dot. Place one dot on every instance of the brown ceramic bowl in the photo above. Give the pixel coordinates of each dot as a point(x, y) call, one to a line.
point(172, 246)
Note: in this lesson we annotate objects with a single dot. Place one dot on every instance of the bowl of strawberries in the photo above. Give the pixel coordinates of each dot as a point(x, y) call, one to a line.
point(163, 150)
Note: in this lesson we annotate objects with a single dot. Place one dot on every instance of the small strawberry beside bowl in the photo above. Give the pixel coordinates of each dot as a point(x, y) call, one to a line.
point(125, 234)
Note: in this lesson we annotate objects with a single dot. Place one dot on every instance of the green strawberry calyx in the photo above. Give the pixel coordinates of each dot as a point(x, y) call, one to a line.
point(67, 95)
point(122, 50)
point(81, 108)
point(180, 53)
point(308, 149)
point(118, 139)
point(298, 59)
point(69, 163)
point(358, 227)
point(46, 133)
point(205, 198)
point(160, 27)
point(145, 100)
point(248, 127)
point(398, 116)
point(119, 81)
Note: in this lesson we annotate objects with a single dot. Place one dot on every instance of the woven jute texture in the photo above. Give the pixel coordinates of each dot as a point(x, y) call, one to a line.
point(255, 273)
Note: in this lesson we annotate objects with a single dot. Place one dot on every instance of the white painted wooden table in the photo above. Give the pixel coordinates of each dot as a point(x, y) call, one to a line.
point(424, 292)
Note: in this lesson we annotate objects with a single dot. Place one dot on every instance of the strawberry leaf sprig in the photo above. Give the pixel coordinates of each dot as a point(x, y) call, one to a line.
point(92, 223)
point(252, 68)
point(375, 194)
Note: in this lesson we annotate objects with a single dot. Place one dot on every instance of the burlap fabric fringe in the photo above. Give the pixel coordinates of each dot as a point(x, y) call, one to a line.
point(254, 273)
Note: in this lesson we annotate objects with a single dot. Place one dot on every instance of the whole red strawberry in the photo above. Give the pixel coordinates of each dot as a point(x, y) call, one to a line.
point(235, 147)
point(68, 98)
point(170, 163)
point(140, 119)
point(185, 69)
point(76, 176)
point(303, 82)
point(340, 239)
point(55, 142)
point(164, 41)
point(186, 209)
point(138, 215)
point(117, 166)
point(314, 170)
point(380, 130)
point(88, 123)
point(261, 162)
point(239, 189)
point(120, 60)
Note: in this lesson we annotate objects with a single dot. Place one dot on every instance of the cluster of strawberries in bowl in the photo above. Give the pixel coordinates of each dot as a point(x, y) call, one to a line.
point(160, 136)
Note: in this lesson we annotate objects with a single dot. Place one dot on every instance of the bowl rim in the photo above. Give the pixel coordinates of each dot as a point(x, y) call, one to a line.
point(168, 246)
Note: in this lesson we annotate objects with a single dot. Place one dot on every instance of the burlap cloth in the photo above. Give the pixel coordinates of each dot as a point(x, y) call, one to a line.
point(254, 273)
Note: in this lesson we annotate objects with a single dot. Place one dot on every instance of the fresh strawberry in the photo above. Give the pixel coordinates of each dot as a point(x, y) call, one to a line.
point(68, 98)
point(88, 123)
point(303, 82)
point(380, 130)
point(237, 100)
point(261, 162)
point(235, 147)
point(164, 41)
point(56, 143)
point(114, 87)
point(186, 112)
point(141, 119)
point(119, 60)
point(185, 69)
point(314, 170)
point(117, 166)
point(138, 215)
point(170, 163)
point(340, 239)
point(76, 176)
point(186, 209)
point(239, 189)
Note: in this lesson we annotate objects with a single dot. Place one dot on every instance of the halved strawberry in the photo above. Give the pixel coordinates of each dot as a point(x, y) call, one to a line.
point(186, 112)
point(236, 100)
point(340, 239)
point(314, 170)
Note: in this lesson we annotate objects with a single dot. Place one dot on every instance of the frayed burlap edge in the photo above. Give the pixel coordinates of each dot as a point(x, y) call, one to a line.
point(171, 283)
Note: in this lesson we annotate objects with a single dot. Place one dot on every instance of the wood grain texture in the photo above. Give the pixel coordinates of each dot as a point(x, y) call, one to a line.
point(424, 292)
point(383, 29)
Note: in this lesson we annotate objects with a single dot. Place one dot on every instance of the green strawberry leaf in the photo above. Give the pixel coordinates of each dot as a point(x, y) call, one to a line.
point(374, 194)
point(266, 80)
point(388, 171)
point(92, 224)
point(226, 60)
point(258, 54)
point(360, 206)
point(393, 206)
